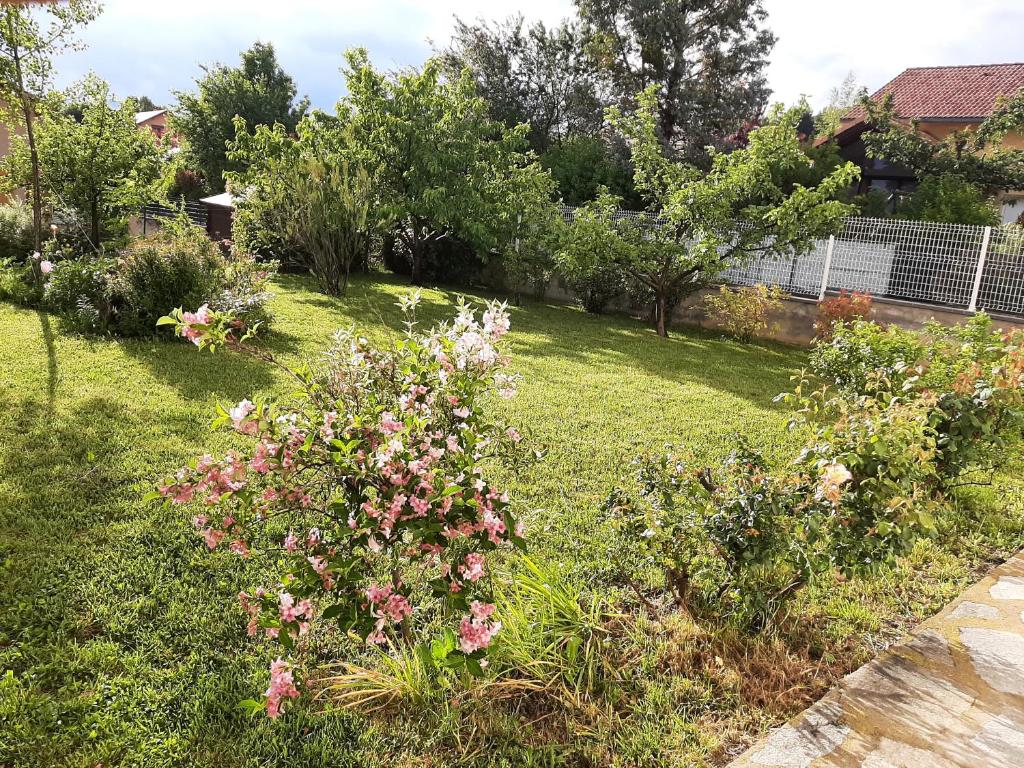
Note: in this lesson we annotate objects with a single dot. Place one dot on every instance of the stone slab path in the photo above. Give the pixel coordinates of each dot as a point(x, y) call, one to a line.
point(951, 695)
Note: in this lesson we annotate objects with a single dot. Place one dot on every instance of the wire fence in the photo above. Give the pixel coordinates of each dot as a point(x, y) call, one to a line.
point(959, 266)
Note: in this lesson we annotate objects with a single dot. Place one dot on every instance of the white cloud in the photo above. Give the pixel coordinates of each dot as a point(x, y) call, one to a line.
point(153, 48)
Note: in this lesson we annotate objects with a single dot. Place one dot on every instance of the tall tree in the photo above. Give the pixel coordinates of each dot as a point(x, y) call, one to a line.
point(705, 59)
point(30, 39)
point(93, 160)
point(258, 90)
point(443, 168)
point(530, 74)
point(744, 208)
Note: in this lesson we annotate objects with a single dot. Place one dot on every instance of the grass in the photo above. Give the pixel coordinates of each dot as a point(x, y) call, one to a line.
point(121, 642)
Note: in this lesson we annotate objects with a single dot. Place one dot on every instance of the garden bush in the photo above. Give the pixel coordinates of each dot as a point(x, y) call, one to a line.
point(855, 351)
point(743, 312)
point(369, 492)
point(79, 290)
point(844, 308)
point(180, 266)
point(16, 238)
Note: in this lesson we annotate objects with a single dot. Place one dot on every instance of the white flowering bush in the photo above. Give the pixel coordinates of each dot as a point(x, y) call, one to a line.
point(369, 488)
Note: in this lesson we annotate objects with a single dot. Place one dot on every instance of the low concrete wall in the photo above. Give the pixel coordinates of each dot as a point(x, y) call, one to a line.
point(794, 322)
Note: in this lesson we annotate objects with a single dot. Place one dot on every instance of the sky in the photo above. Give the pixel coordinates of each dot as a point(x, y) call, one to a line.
point(154, 48)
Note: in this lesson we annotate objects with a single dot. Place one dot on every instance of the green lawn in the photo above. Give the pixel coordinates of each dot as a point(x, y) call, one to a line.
point(120, 637)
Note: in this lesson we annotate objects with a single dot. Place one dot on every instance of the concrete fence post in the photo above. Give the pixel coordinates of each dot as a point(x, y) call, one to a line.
point(986, 236)
point(828, 266)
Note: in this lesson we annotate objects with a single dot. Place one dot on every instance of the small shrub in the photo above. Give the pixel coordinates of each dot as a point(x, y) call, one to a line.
point(844, 308)
point(20, 282)
point(246, 290)
point(178, 267)
point(726, 539)
point(16, 238)
point(743, 312)
point(79, 291)
point(853, 354)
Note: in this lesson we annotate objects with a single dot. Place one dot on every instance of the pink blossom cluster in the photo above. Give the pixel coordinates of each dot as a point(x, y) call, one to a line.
point(282, 686)
point(476, 630)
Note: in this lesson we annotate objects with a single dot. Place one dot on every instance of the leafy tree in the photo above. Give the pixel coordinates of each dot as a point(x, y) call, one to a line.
point(976, 155)
point(948, 198)
point(530, 74)
point(442, 167)
point(98, 165)
point(700, 223)
point(258, 90)
point(145, 104)
point(705, 58)
point(30, 39)
point(841, 99)
point(309, 191)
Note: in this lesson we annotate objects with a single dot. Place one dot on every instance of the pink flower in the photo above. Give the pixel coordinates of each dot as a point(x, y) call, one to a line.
point(376, 594)
point(397, 608)
point(282, 686)
point(46, 267)
point(474, 566)
point(212, 537)
point(240, 414)
point(475, 634)
point(481, 611)
point(190, 319)
point(833, 477)
point(461, 413)
point(389, 424)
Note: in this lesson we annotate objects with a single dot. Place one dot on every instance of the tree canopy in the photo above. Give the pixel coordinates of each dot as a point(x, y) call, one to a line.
point(442, 166)
point(704, 59)
point(258, 90)
point(530, 74)
point(94, 162)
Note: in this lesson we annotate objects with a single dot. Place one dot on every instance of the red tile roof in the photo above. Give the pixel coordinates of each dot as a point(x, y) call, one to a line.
point(955, 92)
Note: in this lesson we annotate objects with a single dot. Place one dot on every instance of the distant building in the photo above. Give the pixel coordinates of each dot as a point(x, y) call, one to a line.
point(938, 101)
point(156, 121)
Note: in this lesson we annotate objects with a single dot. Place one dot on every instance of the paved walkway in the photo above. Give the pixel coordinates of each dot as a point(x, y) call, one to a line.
point(951, 695)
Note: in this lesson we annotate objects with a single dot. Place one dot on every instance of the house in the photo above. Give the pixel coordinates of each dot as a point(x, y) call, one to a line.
point(937, 101)
point(155, 120)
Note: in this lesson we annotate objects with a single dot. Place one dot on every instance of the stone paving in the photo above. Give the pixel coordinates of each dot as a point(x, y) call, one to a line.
point(951, 695)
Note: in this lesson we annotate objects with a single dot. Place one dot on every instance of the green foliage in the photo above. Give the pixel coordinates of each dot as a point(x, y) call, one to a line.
point(15, 230)
point(857, 350)
point(582, 165)
point(309, 191)
point(949, 199)
point(705, 60)
point(97, 165)
point(19, 283)
point(743, 312)
point(744, 208)
point(258, 90)
point(442, 167)
point(30, 40)
point(529, 74)
point(179, 267)
point(975, 155)
point(728, 539)
point(79, 290)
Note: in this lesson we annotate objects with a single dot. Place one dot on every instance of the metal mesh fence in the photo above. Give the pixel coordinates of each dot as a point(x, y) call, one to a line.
point(951, 265)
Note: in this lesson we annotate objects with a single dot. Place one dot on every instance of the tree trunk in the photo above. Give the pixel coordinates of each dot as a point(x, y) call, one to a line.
point(26, 109)
point(94, 216)
point(662, 309)
point(416, 249)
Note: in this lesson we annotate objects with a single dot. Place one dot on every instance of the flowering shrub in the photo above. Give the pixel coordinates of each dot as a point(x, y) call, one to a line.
point(851, 357)
point(743, 312)
point(844, 308)
point(369, 488)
